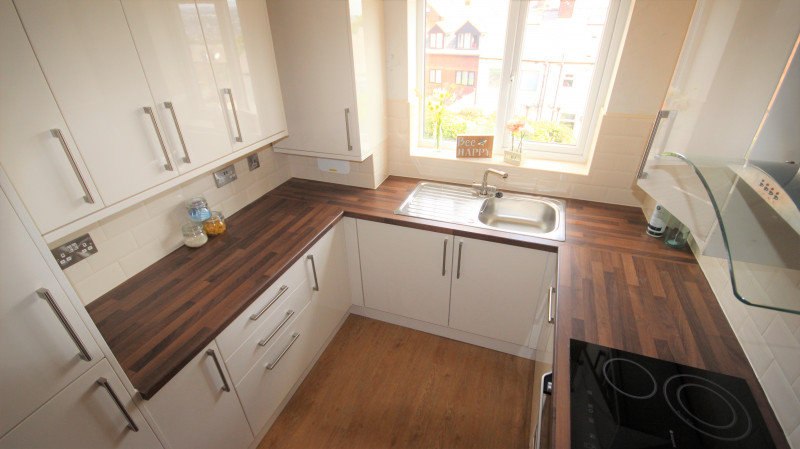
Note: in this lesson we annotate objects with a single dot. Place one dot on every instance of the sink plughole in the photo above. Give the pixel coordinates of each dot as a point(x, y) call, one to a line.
point(520, 214)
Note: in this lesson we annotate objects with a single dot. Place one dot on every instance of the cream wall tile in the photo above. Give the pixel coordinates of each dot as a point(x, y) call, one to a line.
point(234, 203)
point(781, 396)
point(761, 317)
point(755, 347)
point(109, 251)
point(794, 438)
point(785, 347)
point(143, 257)
point(166, 202)
point(624, 197)
point(588, 192)
point(78, 272)
point(124, 221)
point(796, 387)
point(164, 228)
point(99, 283)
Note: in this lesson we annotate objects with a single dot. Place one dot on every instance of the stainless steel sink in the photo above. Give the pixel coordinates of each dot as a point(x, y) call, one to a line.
point(520, 214)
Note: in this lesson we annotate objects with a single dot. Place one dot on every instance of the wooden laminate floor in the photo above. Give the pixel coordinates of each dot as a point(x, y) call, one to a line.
point(378, 385)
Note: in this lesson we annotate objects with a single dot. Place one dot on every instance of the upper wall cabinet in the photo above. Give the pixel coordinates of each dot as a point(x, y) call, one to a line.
point(169, 40)
point(90, 62)
point(239, 44)
point(36, 148)
point(331, 60)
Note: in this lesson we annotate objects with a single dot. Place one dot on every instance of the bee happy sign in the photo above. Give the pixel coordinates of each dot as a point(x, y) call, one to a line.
point(474, 146)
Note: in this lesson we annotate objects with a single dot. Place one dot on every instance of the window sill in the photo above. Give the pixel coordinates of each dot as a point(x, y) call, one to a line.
point(573, 168)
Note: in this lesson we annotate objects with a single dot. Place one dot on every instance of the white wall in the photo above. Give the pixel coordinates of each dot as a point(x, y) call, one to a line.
point(137, 237)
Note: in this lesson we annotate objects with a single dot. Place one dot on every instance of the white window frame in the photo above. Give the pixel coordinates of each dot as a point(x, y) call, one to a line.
point(435, 76)
point(599, 91)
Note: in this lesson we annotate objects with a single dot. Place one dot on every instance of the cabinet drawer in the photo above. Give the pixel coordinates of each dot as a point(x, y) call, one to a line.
point(262, 390)
point(244, 325)
point(281, 316)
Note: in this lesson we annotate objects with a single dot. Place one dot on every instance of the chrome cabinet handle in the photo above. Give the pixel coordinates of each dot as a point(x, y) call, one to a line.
point(280, 293)
point(314, 269)
point(444, 258)
point(87, 196)
point(551, 318)
point(275, 331)
point(103, 382)
point(274, 363)
point(168, 105)
point(227, 91)
point(347, 128)
point(458, 269)
point(661, 114)
point(47, 296)
point(213, 355)
point(149, 111)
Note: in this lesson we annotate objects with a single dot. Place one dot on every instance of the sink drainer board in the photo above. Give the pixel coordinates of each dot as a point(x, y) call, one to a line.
point(519, 214)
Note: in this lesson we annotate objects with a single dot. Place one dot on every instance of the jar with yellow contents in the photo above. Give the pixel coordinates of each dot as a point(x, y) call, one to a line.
point(215, 224)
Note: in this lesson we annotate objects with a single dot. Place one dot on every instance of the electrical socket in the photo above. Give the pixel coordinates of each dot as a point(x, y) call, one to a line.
point(252, 161)
point(224, 176)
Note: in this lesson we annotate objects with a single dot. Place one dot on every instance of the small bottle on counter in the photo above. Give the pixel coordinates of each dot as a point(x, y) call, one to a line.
point(193, 234)
point(198, 209)
point(658, 222)
point(215, 225)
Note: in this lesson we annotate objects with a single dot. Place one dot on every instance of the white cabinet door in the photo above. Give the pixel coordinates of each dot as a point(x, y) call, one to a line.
point(89, 60)
point(198, 408)
point(496, 289)
point(170, 44)
point(38, 356)
point(312, 43)
point(239, 44)
point(85, 415)
point(30, 152)
point(327, 270)
point(406, 271)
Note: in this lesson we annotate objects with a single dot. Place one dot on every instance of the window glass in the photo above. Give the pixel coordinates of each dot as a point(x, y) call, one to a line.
point(563, 42)
point(462, 103)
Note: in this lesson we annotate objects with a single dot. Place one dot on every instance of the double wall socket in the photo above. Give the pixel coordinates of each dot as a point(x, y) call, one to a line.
point(224, 176)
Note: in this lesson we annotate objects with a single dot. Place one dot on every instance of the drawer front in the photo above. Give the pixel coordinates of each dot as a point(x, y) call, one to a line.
point(263, 389)
point(244, 325)
point(281, 316)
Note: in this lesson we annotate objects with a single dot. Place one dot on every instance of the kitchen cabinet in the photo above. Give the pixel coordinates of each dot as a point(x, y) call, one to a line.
point(37, 150)
point(239, 43)
point(198, 407)
point(91, 65)
point(95, 411)
point(406, 271)
point(497, 289)
point(487, 289)
point(170, 44)
point(331, 64)
point(319, 304)
point(43, 343)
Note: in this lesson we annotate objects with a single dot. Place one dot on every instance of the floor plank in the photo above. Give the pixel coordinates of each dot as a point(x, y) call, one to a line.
point(379, 385)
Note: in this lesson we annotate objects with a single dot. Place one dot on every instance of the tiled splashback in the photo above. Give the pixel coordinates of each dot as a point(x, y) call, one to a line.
point(611, 178)
point(771, 341)
point(137, 237)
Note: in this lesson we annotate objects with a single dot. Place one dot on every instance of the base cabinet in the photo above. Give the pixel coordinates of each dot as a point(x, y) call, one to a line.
point(406, 271)
point(198, 408)
point(487, 289)
point(496, 289)
point(85, 415)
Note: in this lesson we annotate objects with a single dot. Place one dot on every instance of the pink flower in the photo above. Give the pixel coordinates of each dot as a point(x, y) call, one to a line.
point(515, 126)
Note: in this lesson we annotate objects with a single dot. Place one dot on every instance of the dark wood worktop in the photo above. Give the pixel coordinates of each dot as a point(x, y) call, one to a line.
point(618, 287)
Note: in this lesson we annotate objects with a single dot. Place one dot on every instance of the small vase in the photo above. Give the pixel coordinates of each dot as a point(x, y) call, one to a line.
point(513, 156)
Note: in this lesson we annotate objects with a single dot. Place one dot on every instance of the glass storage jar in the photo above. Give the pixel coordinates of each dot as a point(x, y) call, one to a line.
point(193, 234)
point(198, 209)
point(215, 225)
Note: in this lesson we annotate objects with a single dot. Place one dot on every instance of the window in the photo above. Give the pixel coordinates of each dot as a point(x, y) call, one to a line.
point(435, 76)
point(567, 120)
point(465, 78)
point(467, 41)
point(436, 40)
point(530, 55)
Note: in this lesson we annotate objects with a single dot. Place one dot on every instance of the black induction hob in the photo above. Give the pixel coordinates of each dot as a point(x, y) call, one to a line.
point(623, 400)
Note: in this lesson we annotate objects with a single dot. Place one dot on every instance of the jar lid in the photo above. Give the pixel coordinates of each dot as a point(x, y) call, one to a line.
point(196, 202)
point(191, 227)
